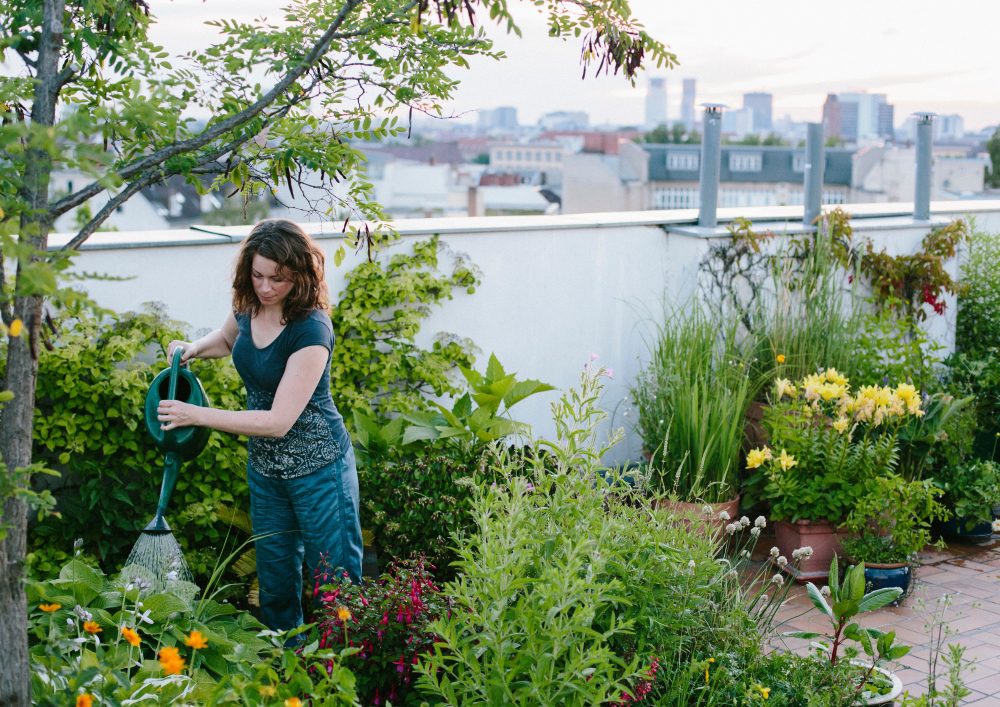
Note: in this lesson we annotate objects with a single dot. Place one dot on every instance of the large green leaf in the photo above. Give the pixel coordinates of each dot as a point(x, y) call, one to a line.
point(522, 390)
point(878, 598)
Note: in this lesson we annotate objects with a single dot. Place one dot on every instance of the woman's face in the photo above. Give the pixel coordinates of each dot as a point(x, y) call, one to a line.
point(269, 284)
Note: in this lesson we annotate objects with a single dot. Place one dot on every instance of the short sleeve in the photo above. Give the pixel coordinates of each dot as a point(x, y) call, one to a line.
point(314, 330)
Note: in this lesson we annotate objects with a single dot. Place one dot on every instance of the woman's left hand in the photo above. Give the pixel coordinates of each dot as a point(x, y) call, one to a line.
point(173, 414)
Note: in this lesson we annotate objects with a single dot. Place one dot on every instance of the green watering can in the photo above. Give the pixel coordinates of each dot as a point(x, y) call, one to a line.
point(185, 443)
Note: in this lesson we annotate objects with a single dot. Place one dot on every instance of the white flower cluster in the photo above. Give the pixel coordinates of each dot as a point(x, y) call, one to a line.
point(803, 553)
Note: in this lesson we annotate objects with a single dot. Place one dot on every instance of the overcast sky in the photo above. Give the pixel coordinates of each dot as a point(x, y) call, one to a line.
point(938, 56)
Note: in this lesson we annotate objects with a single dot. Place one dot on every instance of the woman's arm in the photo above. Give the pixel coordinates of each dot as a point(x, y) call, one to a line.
point(302, 373)
point(215, 344)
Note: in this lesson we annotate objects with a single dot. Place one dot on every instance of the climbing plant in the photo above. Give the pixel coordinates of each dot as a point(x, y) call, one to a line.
point(905, 283)
point(378, 367)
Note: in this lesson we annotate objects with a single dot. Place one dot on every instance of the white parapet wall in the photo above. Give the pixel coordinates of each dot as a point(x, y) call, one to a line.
point(555, 289)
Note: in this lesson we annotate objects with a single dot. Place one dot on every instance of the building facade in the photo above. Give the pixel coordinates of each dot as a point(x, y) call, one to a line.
point(760, 105)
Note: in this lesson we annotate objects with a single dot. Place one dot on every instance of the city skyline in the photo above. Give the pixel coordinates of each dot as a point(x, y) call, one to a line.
point(921, 57)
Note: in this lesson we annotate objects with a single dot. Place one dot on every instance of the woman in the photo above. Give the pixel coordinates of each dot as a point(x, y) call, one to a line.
point(300, 467)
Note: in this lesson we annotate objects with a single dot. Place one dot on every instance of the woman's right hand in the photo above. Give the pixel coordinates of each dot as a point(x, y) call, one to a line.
point(188, 347)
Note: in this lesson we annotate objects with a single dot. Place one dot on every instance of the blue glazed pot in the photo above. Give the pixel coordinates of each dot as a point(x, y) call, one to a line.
point(956, 529)
point(886, 576)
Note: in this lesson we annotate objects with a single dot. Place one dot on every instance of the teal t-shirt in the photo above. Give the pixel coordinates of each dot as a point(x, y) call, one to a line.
point(318, 437)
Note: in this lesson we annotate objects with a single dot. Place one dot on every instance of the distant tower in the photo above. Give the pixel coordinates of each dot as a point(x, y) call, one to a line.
point(656, 103)
point(760, 105)
point(832, 118)
point(687, 104)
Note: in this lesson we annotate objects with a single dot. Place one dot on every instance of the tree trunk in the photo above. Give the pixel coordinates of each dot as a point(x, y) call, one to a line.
point(21, 374)
point(15, 443)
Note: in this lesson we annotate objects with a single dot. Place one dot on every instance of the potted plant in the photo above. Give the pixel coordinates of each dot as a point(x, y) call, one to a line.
point(971, 489)
point(886, 542)
point(849, 647)
point(691, 399)
point(827, 445)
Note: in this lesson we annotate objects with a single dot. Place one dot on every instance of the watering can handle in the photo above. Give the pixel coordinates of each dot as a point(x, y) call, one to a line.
point(175, 367)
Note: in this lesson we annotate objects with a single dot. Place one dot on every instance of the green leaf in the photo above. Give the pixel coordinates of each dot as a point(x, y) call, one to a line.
point(818, 600)
point(878, 598)
point(161, 606)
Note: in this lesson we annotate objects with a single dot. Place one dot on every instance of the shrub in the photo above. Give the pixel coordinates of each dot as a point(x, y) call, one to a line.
point(387, 620)
point(571, 586)
point(89, 425)
point(414, 503)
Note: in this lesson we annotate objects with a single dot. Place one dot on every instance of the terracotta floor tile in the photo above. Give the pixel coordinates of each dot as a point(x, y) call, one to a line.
point(988, 685)
point(982, 700)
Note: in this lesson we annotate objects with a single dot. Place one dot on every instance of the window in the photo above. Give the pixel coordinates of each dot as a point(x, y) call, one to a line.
point(687, 160)
point(744, 161)
point(517, 155)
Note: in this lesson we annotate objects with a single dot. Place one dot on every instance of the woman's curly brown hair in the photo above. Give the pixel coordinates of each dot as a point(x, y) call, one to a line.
point(298, 259)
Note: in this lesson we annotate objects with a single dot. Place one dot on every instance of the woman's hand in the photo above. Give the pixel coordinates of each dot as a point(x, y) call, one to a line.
point(189, 351)
point(173, 414)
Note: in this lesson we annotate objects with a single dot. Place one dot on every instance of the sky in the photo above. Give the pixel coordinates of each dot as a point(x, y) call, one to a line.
point(924, 55)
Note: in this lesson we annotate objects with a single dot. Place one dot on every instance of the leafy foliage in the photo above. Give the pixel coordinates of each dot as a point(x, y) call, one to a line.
point(479, 416)
point(101, 636)
point(976, 363)
point(569, 584)
point(89, 425)
point(897, 538)
point(905, 283)
point(415, 502)
point(377, 367)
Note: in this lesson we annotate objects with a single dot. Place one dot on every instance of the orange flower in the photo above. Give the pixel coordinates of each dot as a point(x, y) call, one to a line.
point(92, 627)
point(780, 358)
point(132, 637)
point(84, 700)
point(195, 640)
point(49, 608)
point(293, 702)
point(171, 660)
point(343, 613)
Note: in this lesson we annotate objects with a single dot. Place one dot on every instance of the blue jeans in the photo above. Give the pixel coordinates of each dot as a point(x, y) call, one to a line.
point(312, 518)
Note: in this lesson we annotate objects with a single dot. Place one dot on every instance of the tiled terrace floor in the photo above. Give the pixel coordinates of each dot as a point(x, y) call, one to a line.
point(970, 575)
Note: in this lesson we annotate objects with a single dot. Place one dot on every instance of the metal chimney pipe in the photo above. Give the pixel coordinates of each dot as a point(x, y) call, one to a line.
point(925, 139)
point(711, 160)
point(813, 173)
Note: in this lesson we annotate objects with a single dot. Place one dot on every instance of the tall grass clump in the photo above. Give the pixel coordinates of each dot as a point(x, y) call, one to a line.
point(691, 399)
point(809, 317)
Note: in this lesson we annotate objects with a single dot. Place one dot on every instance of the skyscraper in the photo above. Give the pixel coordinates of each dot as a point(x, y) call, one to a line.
point(656, 103)
point(760, 104)
point(858, 116)
point(687, 104)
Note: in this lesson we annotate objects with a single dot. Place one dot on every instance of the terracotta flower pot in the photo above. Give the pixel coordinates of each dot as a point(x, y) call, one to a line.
point(694, 513)
point(824, 539)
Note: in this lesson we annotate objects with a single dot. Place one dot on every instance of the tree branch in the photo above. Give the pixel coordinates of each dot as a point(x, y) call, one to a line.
point(149, 178)
point(219, 129)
